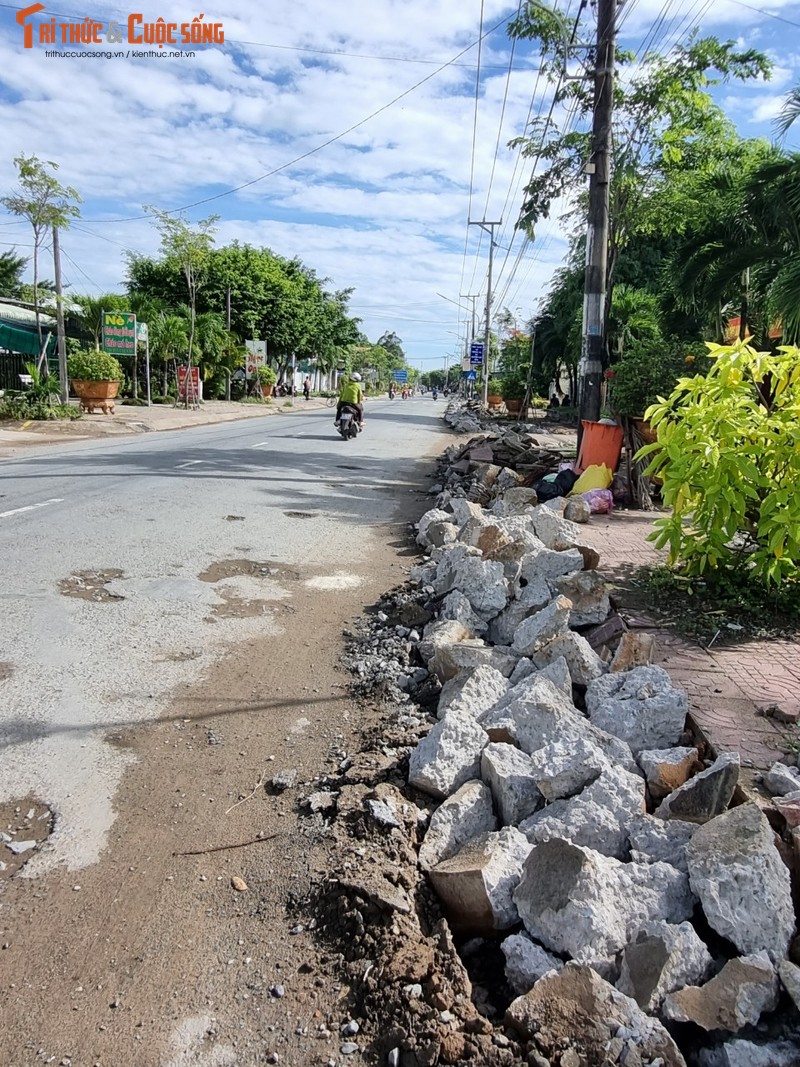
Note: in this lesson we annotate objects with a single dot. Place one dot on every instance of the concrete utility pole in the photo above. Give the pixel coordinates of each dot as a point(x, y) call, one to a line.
point(489, 227)
point(62, 344)
point(590, 371)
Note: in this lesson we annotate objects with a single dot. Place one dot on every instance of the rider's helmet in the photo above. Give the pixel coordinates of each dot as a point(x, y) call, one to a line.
point(355, 376)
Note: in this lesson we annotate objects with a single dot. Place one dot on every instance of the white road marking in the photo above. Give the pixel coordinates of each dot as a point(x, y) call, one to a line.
point(260, 443)
point(188, 463)
point(32, 507)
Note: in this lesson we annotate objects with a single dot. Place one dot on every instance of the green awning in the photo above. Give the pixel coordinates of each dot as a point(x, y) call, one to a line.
point(26, 342)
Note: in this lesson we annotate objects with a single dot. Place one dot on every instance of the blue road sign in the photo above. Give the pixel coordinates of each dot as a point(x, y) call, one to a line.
point(470, 375)
point(476, 354)
point(400, 375)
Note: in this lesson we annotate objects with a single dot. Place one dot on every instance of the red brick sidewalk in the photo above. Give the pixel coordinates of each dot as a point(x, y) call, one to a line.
point(727, 686)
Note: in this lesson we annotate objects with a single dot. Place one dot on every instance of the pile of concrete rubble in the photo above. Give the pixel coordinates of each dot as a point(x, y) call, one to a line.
point(578, 822)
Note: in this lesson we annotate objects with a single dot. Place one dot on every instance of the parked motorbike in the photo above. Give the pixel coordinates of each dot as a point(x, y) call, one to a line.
point(348, 422)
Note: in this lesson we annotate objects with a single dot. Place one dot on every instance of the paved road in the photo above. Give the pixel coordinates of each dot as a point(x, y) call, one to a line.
point(105, 615)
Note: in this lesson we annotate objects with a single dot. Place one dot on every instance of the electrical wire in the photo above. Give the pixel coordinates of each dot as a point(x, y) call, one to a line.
point(311, 151)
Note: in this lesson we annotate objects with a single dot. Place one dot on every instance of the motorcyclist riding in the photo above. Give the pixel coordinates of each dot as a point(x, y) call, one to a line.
point(351, 394)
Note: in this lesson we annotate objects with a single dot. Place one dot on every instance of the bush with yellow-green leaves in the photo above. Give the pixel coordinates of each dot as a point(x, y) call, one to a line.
point(728, 451)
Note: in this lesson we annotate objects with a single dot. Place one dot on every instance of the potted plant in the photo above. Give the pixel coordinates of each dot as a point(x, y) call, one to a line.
point(513, 387)
point(495, 396)
point(267, 379)
point(95, 378)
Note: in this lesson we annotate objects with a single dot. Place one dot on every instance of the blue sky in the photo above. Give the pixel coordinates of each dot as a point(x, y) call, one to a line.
point(383, 207)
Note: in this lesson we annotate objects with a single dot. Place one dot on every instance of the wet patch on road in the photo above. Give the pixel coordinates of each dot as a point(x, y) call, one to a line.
point(91, 585)
point(24, 826)
point(6, 670)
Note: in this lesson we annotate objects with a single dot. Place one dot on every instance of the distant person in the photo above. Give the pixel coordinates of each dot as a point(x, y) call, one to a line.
point(352, 394)
point(306, 388)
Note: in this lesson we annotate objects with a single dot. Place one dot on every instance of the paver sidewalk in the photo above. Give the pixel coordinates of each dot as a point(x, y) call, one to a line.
point(729, 686)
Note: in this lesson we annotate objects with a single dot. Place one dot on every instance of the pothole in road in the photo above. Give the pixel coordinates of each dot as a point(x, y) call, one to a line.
point(234, 518)
point(233, 568)
point(91, 585)
point(346, 467)
point(301, 514)
point(24, 825)
point(6, 670)
point(235, 607)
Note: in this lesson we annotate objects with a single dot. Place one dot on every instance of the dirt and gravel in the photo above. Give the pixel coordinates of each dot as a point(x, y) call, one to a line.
point(193, 941)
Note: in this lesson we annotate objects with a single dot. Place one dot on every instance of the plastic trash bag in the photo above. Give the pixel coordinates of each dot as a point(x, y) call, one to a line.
point(598, 476)
point(549, 488)
point(600, 501)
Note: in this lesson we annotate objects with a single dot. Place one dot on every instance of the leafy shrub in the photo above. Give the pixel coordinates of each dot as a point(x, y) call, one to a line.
point(728, 455)
point(89, 366)
point(22, 408)
point(647, 371)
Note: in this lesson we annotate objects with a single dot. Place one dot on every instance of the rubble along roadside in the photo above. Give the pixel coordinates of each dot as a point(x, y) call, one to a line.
point(540, 863)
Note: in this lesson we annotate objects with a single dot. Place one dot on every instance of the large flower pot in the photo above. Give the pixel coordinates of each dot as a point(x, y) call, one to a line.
point(94, 395)
point(646, 431)
point(266, 390)
point(514, 407)
point(495, 401)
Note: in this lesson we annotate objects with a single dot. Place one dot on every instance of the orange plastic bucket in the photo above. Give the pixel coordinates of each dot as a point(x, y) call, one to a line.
point(600, 444)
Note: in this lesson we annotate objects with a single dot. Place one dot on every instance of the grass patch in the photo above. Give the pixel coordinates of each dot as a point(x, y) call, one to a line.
point(722, 607)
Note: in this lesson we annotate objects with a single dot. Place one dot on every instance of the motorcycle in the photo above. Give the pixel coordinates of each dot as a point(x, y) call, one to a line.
point(348, 422)
point(435, 394)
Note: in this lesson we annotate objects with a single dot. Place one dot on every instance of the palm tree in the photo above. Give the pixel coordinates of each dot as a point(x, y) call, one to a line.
point(92, 308)
point(169, 340)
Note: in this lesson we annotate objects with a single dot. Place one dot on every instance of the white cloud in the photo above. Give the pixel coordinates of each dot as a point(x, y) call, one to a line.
point(383, 208)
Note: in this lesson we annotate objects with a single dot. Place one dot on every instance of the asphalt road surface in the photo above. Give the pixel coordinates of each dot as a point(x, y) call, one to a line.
point(117, 589)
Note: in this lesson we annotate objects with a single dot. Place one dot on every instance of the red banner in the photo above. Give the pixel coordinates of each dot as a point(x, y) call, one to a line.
point(195, 386)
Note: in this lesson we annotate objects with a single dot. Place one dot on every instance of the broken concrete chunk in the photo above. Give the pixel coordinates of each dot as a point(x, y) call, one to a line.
point(589, 595)
point(634, 650)
point(640, 706)
point(534, 595)
point(476, 885)
point(668, 768)
point(536, 631)
point(466, 814)
point(466, 655)
point(704, 796)
point(660, 959)
point(439, 534)
point(503, 626)
point(524, 669)
point(547, 564)
point(526, 962)
point(464, 510)
point(430, 517)
point(557, 672)
point(789, 975)
point(576, 1006)
point(597, 818)
point(576, 901)
point(515, 501)
point(583, 662)
point(563, 768)
point(577, 510)
point(743, 990)
point(656, 841)
point(742, 883)
point(553, 530)
point(472, 691)
point(789, 807)
point(456, 608)
point(740, 1053)
point(439, 633)
point(508, 772)
point(448, 757)
point(780, 780)
point(481, 581)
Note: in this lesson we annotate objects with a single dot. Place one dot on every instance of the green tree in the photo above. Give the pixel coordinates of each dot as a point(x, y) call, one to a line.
point(45, 203)
point(169, 339)
point(12, 267)
point(190, 247)
point(92, 308)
